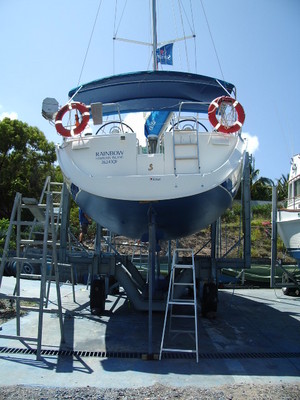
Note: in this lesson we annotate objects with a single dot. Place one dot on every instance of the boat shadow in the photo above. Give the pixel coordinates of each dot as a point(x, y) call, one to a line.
point(253, 333)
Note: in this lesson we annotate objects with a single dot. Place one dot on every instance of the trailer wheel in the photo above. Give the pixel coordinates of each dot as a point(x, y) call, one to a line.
point(97, 296)
point(209, 298)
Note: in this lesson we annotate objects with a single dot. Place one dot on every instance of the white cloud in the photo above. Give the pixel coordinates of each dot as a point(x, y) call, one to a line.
point(12, 115)
point(137, 122)
point(252, 142)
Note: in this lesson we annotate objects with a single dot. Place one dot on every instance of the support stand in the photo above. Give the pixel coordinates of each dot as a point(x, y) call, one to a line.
point(151, 274)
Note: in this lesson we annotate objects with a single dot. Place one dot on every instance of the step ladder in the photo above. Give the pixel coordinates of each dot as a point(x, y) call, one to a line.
point(37, 209)
point(55, 188)
point(47, 219)
point(182, 278)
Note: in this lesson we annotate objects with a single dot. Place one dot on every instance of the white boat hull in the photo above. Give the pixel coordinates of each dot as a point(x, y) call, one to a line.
point(187, 188)
point(288, 224)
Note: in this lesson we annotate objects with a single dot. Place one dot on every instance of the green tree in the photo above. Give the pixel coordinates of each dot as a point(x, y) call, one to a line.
point(26, 158)
point(282, 187)
point(260, 187)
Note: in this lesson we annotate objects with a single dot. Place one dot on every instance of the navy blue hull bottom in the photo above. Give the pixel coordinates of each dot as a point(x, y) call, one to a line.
point(174, 218)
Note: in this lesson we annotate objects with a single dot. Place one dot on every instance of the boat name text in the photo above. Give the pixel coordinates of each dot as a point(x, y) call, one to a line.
point(109, 156)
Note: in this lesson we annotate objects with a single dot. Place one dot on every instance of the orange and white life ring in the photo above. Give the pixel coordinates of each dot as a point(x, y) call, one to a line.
point(85, 116)
point(212, 111)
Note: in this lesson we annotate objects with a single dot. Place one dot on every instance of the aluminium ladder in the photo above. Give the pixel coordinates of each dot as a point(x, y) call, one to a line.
point(186, 151)
point(45, 217)
point(179, 282)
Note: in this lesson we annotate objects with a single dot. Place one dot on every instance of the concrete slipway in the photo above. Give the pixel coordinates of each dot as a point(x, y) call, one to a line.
point(255, 338)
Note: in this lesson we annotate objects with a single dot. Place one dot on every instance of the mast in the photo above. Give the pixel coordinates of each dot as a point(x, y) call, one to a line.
point(154, 35)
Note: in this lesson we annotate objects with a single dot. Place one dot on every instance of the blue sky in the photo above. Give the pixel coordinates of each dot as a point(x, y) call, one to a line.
point(44, 44)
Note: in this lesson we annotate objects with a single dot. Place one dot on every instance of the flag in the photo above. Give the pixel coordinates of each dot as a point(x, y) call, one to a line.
point(165, 54)
point(155, 122)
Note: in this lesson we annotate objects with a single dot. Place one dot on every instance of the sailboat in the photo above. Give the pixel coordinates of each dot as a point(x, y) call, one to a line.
point(288, 219)
point(182, 178)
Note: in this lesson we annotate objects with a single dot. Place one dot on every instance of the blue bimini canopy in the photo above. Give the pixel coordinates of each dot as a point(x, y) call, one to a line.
point(152, 91)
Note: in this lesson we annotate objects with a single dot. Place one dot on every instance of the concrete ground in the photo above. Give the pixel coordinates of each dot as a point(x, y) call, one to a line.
point(255, 338)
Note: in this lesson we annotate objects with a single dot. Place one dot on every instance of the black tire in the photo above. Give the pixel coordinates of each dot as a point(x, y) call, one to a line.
point(97, 296)
point(28, 268)
point(209, 298)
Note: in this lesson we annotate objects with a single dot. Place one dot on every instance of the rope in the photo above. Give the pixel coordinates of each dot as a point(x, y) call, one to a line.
point(212, 39)
point(88, 47)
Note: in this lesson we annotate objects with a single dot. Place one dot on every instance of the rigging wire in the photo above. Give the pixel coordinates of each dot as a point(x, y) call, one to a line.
point(176, 31)
point(181, 5)
point(88, 47)
point(194, 33)
point(122, 14)
point(114, 35)
point(212, 39)
point(185, 44)
point(116, 29)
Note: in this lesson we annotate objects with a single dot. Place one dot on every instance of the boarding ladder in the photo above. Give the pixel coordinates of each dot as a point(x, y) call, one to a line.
point(42, 231)
point(181, 310)
point(186, 151)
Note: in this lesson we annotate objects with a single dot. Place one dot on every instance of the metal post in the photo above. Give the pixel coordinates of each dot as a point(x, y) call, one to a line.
point(169, 256)
point(154, 34)
point(274, 236)
point(246, 204)
point(65, 216)
point(152, 245)
point(56, 271)
point(213, 233)
point(97, 246)
point(43, 275)
point(8, 234)
point(18, 267)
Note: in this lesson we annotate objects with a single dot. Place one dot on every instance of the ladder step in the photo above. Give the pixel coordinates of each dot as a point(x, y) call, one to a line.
point(182, 158)
point(186, 144)
point(32, 242)
point(43, 205)
point(15, 297)
point(36, 277)
point(182, 331)
point(36, 309)
point(36, 211)
point(183, 250)
point(37, 261)
point(178, 350)
point(182, 303)
point(183, 284)
point(16, 337)
point(27, 259)
point(30, 201)
point(25, 223)
point(182, 316)
point(183, 266)
point(64, 265)
point(30, 276)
